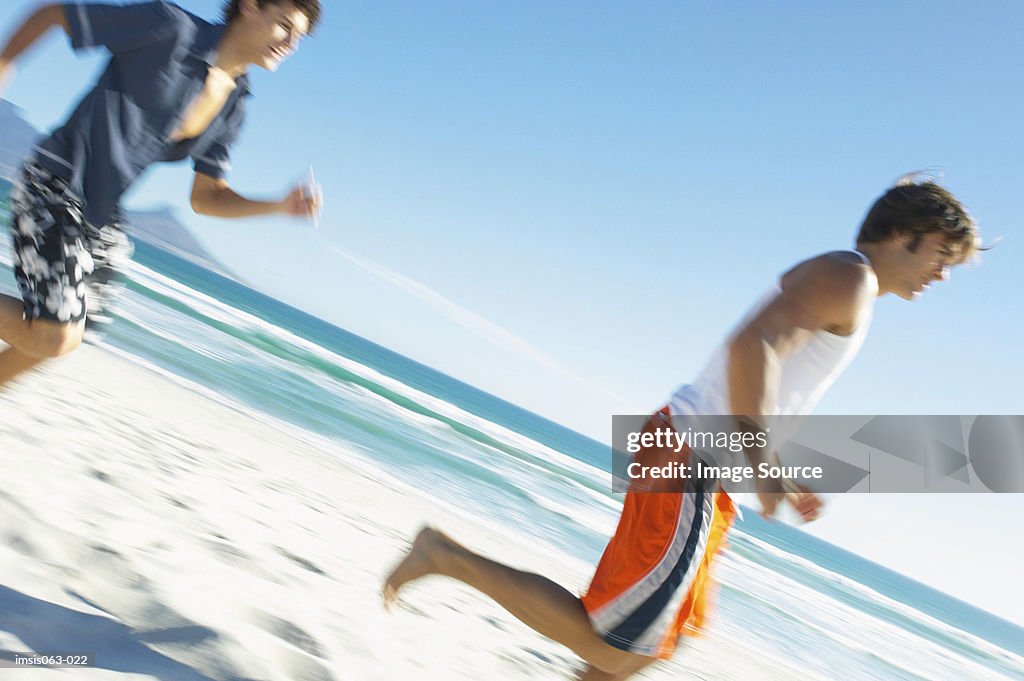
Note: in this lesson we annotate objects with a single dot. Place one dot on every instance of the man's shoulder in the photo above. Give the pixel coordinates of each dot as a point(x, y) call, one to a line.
point(843, 270)
point(177, 15)
point(174, 19)
point(184, 29)
point(156, 8)
point(840, 285)
point(162, 19)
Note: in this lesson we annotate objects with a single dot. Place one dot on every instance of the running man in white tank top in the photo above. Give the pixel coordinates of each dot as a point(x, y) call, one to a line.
point(650, 585)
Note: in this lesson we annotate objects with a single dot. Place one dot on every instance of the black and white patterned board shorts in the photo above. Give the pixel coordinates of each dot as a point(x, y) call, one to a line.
point(67, 269)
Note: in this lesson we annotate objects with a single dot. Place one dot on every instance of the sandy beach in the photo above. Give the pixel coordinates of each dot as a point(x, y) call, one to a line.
point(177, 537)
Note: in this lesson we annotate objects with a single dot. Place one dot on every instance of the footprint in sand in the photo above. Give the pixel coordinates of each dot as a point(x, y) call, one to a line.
point(301, 562)
point(290, 633)
point(227, 552)
point(299, 667)
point(102, 476)
point(18, 435)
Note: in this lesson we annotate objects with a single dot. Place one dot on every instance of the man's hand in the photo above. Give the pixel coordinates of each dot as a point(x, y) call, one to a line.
point(303, 202)
point(806, 503)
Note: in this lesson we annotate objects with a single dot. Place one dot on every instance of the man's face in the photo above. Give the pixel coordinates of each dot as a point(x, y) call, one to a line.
point(274, 32)
point(928, 263)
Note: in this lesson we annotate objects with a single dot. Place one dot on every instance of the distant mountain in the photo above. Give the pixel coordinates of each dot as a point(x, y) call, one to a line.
point(162, 229)
point(158, 228)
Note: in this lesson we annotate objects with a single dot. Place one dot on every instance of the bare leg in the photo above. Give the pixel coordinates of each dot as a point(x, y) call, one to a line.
point(14, 362)
point(595, 674)
point(31, 342)
point(538, 602)
point(15, 330)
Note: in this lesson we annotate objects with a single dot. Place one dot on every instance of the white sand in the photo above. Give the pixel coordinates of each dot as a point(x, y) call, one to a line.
point(180, 539)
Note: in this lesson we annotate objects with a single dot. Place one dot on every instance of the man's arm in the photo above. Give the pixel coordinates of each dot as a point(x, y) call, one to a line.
point(212, 196)
point(34, 27)
point(828, 293)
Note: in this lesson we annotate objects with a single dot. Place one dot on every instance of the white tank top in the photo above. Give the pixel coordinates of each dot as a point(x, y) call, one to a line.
point(806, 373)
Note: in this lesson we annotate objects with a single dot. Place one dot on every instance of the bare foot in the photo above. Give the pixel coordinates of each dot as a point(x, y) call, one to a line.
point(421, 560)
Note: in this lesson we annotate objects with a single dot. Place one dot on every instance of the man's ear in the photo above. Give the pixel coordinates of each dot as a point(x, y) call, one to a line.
point(902, 240)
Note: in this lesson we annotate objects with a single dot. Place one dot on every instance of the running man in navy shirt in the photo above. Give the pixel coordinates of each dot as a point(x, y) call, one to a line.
point(176, 86)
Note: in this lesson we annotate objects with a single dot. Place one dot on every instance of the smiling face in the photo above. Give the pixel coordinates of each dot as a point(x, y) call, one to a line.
point(272, 32)
point(914, 233)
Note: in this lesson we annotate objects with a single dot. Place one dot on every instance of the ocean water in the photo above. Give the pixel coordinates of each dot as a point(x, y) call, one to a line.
point(788, 595)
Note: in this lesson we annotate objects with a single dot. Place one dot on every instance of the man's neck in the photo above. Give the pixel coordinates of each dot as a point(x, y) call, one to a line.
point(230, 59)
point(879, 259)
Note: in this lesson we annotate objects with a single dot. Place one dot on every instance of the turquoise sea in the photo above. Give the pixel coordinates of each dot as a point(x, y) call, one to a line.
point(783, 593)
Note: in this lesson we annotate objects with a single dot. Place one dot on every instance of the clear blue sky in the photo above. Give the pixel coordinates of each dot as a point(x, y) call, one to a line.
point(569, 204)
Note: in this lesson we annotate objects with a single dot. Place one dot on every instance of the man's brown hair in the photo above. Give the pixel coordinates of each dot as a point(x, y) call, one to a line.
point(917, 206)
point(311, 8)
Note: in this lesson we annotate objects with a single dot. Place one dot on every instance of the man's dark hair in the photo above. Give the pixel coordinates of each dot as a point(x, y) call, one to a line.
point(916, 207)
point(311, 8)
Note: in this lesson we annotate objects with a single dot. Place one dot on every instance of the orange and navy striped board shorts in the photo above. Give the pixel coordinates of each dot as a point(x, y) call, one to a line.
point(652, 584)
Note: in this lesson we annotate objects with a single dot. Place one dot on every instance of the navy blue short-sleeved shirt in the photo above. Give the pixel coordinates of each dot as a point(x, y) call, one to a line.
point(160, 56)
